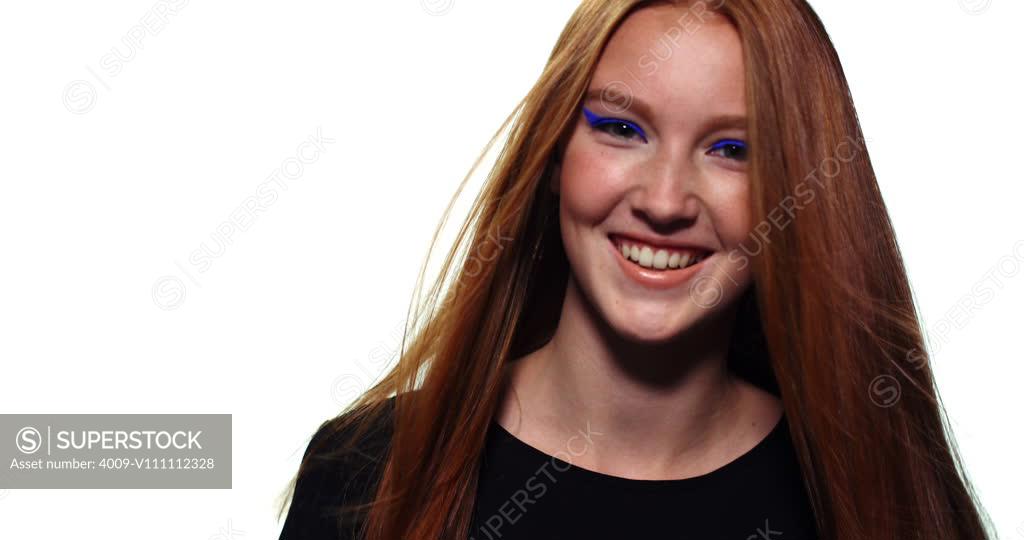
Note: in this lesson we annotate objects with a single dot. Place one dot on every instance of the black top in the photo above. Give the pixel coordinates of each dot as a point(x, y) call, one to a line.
point(524, 493)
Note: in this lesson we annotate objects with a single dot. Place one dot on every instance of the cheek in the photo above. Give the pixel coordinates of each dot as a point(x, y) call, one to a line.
point(733, 224)
point(731, 212)
point(591, 183)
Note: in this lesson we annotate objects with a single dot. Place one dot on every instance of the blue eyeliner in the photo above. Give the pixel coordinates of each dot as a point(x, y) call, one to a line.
point(725, 142)
point(595, 121)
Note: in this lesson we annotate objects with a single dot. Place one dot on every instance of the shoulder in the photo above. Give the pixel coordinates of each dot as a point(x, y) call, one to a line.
point(340, 466)
point(351, 437)
point(773, 485)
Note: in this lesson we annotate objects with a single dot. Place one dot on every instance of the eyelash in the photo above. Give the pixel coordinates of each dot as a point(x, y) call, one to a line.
point(599, 122)
point(727, 143)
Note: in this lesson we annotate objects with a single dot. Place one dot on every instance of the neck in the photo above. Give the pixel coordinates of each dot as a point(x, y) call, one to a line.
point(652, 407)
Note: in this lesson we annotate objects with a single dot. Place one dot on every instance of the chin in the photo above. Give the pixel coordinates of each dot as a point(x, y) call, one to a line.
point(651, 326)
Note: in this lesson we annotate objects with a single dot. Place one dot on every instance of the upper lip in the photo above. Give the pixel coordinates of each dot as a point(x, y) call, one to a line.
point(660, 242)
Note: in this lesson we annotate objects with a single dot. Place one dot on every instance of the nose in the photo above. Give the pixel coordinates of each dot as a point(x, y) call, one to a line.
point(666, 191)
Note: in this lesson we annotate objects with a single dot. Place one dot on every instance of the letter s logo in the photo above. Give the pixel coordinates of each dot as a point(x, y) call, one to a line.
point(28, 440)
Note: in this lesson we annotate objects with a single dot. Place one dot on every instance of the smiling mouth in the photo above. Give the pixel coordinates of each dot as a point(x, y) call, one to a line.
point(656, 258)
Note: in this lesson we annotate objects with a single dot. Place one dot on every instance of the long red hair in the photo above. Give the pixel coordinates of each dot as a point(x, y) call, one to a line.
point(830, 322)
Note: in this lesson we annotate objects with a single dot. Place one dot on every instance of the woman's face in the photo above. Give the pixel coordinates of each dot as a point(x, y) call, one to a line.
point(657, 162)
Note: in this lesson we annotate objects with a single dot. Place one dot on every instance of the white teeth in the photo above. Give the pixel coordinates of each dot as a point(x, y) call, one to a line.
point(661, 259)
point(646, 257)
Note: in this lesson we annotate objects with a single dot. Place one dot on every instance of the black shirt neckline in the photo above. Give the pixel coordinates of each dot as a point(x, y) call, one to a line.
point(765, 450)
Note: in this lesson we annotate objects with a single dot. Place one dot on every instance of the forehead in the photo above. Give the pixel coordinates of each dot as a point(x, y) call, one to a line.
point(677, 59)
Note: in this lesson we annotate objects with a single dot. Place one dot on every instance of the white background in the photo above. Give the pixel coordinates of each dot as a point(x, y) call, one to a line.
point(112, 184)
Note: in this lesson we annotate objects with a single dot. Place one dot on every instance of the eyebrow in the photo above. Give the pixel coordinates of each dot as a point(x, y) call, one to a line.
point(641, 107)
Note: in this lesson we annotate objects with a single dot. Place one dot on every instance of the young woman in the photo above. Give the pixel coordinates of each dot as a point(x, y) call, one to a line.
point(673, 312)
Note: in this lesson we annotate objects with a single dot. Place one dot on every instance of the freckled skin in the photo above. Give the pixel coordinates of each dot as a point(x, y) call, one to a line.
point(673, 187)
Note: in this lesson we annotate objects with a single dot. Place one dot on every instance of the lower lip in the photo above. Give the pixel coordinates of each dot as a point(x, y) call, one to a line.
point(655, 279)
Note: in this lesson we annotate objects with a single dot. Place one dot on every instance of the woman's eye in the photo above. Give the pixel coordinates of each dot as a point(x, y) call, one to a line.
point(623, 129)
point(732, 149)
point(619, 129)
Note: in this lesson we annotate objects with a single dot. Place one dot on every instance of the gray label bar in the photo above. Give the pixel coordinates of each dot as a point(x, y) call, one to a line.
point(115, 451)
